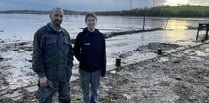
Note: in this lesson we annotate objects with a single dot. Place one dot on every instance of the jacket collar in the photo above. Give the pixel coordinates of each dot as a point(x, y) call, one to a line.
point(85, 30)
point(50, 28)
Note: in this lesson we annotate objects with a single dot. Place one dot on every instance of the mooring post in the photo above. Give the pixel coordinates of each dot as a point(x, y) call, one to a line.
point(118, 62)
point(198, 31)
point(159, 51)
point(203, 26)
point(143, 26)
point(207, 28)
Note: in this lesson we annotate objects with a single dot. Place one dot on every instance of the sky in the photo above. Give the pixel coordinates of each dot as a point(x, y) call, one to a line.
point(92, 5)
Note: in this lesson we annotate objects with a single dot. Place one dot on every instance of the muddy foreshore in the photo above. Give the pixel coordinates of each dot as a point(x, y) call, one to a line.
point(178, 77)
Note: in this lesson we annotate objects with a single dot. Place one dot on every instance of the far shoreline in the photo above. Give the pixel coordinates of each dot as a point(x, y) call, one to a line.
point(170, 18)
point(183, 11)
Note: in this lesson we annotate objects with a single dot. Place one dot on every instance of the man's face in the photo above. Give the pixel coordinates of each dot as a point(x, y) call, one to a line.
point(56, 17)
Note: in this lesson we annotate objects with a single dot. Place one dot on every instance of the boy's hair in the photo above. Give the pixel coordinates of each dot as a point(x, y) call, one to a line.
point(90, 15)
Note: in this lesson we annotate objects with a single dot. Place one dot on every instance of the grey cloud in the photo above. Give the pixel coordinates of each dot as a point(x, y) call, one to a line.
point(85, 5)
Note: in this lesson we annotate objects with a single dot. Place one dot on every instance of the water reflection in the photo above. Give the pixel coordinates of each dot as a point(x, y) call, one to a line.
point(176, 31)
point(177, 24)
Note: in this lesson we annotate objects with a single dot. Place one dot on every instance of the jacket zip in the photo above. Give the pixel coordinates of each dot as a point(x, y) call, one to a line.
point(57, 52)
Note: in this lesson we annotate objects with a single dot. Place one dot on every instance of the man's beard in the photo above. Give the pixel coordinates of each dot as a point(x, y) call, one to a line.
point(57, 23)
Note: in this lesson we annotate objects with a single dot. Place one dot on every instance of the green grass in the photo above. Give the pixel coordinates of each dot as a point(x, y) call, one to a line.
point(177, 9)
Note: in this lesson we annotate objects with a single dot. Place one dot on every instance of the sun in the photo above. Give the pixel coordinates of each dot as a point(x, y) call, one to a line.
point(176, 2)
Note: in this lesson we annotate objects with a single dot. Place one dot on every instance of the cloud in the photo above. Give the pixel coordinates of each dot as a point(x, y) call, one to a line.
point(199, 2)
point(23, 4)
point(85, 5)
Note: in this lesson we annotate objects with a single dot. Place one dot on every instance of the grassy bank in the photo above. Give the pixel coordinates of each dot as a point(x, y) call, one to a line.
point(164, 11)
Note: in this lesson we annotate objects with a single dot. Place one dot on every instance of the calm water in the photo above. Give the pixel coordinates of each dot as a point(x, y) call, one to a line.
point(23, 26)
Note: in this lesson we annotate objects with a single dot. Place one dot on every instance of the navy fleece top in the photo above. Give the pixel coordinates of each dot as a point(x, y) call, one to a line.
point(90, 51)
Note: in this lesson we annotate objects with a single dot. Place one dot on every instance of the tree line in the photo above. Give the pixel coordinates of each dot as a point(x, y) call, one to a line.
point(161, 11)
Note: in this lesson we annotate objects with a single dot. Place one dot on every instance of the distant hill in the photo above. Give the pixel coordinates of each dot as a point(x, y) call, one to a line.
point(185, 11)
point(178, 9)
point(161, 11)
point(164, 11)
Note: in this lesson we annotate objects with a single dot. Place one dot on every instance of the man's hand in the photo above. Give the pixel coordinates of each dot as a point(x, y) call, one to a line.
point(43, 82)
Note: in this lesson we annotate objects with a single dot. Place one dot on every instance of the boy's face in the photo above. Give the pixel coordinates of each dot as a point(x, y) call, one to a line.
point(91, 22)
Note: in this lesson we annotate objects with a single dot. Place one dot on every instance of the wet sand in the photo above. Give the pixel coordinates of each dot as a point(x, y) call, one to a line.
point(181, 76)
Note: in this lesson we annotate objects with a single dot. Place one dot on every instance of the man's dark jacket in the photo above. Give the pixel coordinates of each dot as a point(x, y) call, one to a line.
point(89, 49)
point(52, 53)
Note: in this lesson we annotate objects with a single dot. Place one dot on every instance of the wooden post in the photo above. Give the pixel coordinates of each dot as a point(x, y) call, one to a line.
point(203, 26)
point(118, 62)
point(198, 32)
point(143, 21)
point(166, 23)
point(207, 28)
point(159, 51)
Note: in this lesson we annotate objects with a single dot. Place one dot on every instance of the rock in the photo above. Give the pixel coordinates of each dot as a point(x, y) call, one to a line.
point(137, 49)
point(206, 64)
point(159, 51)
point(177, 78)
point(176, 61)
point(28, 60)
point(158, 48)
point(1, 58)
point(15, 50)
point(2, 41)
point(26, 48)
point(113, 72)
point(207, 85)
point(23, 43)
point(127, 96)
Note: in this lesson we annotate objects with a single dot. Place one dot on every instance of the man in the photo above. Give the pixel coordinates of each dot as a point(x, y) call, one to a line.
point(53, 59)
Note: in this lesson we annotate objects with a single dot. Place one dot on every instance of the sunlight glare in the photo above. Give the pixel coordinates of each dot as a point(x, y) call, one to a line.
point(176, 2)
